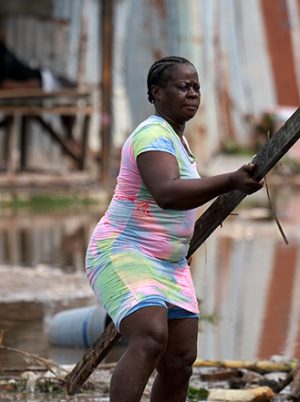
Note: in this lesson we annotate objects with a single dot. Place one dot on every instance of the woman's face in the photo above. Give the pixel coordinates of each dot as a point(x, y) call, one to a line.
point(179, 98)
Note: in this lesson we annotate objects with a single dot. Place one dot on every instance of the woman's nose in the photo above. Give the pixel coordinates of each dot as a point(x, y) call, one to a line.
point(194, 93)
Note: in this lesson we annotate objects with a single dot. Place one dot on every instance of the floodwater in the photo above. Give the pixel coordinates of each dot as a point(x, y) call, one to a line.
point(247, 281)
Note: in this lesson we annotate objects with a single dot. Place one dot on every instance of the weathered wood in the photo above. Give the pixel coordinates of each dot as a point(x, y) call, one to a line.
point(265, 160)
point(107, 96)
point(259, 365)
point(66, 145)
point(39, 93)
point(269, 155)
point(295, 385)
point(65, 110)
point(84, 142)
point(23, 142)
point(92, 358)
point(33, 103)
point(241, 395)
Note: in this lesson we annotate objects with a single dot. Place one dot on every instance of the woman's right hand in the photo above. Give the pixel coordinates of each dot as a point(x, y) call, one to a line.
point(243, 180)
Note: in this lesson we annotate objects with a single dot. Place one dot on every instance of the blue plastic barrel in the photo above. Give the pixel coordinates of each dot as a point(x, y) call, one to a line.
point(79, 327)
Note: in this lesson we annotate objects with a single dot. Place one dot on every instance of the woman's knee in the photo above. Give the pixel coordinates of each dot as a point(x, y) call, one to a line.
point(151, 342)
point(178, 364)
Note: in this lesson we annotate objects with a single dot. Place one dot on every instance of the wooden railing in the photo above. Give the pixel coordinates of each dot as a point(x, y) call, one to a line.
point(32, 105)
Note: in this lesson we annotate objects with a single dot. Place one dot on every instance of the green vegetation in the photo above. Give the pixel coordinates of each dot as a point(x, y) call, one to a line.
point(41, 202)
point(209, 318)
point(232, 147)
point(288, 166)
point(197, 394)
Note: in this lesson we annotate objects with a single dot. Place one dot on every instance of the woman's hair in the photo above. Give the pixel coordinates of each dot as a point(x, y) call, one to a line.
point(156, 74)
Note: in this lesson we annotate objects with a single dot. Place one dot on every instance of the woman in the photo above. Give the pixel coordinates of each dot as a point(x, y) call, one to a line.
point(136, 257)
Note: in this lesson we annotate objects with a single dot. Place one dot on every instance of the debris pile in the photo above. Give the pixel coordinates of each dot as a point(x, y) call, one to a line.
point(211, 381)
point(246, 381)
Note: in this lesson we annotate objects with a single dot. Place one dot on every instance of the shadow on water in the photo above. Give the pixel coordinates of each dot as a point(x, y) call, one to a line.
point(246, 278)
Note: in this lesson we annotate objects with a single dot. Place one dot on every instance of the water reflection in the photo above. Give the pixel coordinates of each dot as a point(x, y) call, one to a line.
point(49, 248)
point(58, 239)
point(247, 279)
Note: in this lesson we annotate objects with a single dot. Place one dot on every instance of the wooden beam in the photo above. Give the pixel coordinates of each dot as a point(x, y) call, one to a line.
point(40, 110)
point(265, 160)
point(92, 358)
point(269, 155)
point(84, 142)
point(66, 146)
point(106, 95)
point(39, 93)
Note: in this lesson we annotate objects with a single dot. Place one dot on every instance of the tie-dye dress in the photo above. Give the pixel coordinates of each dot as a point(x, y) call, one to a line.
point(137, 250)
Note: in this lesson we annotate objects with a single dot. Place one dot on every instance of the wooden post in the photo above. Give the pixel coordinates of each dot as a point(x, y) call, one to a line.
point(84, 142)
point(12, 149)
point(269, 155)
point(6, 122)
point(23, 143)
point(106, 95)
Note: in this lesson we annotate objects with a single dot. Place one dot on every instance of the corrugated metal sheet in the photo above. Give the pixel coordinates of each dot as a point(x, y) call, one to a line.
point(247, 55)
point(62, 42)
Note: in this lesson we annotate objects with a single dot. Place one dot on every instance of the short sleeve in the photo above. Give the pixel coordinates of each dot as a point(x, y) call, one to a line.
point(152, 138)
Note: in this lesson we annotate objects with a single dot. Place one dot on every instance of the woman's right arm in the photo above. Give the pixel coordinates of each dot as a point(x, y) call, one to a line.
point(160, 174)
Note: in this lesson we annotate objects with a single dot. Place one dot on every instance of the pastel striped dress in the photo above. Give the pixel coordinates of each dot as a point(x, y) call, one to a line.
point(137, 250)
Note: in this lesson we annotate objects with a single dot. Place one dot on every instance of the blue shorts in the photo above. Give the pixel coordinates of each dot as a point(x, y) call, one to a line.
point(174, 312)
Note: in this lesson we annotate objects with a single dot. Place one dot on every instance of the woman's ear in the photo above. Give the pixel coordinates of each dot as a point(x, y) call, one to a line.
point(155, 91)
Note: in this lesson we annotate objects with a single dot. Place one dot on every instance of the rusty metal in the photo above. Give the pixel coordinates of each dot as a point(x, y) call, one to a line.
point(278, 32)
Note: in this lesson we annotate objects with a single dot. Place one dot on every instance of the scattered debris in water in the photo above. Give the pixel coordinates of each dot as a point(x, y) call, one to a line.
point(211, 380)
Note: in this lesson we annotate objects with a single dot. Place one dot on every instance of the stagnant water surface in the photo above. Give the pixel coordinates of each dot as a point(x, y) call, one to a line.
point(247, 281)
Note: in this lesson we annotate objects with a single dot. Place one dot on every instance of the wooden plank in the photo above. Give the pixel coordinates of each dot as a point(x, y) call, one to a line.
point(66, 146)
point(269, 155)
point(94, 355)
point(265, 160)
point(25, 93)
point(39, 110)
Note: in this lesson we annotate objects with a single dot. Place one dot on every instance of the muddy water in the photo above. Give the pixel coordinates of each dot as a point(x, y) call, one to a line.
point(247, 281)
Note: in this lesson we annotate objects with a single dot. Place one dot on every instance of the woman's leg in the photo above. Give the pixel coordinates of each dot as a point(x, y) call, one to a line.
point(146, 331)
point(175, 367)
